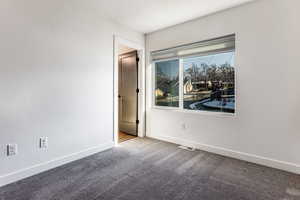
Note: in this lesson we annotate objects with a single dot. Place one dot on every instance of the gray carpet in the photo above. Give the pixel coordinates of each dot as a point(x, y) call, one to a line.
point(147, 169)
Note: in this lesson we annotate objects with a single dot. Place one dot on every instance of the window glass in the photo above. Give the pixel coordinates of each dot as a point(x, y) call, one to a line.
point(209, 82)
point(167, 83)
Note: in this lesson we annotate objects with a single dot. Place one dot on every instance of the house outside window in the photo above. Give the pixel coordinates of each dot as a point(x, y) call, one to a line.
point(167, 83)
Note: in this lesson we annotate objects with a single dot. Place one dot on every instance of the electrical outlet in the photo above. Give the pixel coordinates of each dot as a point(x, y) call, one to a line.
point(183, 126)
point(12, 149)
point(43, 142)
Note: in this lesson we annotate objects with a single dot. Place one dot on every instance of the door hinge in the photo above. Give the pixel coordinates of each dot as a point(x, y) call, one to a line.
point(137, 90)
point(137, 59)
point(137, 121)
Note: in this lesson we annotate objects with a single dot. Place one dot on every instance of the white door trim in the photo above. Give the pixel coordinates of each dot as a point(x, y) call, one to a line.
point(141, 96)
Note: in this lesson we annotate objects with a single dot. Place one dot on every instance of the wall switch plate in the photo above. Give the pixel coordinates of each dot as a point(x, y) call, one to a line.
point(12, 149)
point(43, 142)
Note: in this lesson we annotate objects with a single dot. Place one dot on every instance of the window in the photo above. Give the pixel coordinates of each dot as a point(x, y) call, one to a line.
point(198, 76)
point(208, 83)
point(167, 83)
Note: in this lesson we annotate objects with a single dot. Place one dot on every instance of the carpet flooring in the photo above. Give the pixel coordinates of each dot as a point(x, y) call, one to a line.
point(147, 169)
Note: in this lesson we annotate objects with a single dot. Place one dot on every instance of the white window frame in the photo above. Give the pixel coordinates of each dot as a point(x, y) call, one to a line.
point(180, 108)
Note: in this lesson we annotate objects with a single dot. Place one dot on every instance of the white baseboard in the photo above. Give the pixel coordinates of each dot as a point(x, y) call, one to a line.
point(36, 169)
point(286, 166)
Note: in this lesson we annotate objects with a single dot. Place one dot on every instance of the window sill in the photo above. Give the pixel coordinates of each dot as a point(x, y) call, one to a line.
point(197, 112)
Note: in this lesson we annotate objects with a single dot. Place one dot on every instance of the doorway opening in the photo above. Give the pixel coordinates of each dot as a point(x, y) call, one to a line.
point(128, 93)
point(128, 86)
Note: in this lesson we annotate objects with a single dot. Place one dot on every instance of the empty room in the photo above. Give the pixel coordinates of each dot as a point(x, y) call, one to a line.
point(149, 100)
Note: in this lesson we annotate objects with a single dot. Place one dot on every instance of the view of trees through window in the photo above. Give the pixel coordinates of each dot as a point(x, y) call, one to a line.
point(167, 83)
point(209, 83)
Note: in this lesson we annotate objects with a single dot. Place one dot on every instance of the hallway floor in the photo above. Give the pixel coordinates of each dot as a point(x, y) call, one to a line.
point(147, 169)
point(124, 137)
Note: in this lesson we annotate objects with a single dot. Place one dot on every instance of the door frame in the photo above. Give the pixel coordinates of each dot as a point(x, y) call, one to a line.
point(141, 85)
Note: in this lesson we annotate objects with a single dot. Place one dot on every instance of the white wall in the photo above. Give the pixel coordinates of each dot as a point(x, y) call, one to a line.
point(266, 127)
point(56, 80)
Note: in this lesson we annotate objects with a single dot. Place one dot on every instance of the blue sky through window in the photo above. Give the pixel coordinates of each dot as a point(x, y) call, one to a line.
point(169, 68)
point(217, 59)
